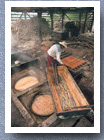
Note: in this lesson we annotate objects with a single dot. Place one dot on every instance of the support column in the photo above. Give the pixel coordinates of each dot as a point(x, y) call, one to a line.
point(51, 16)
point(80, 14)
point(67, 17)
point(25, 13)
point(39, 27)
point(85, 22)
point(92, 23)
point(62, 19)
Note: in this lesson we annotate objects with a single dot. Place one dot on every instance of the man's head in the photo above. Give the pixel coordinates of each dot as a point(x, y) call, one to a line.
point(63, 45)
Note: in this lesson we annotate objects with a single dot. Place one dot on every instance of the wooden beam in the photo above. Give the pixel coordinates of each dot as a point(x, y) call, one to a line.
point(51, 16)
point(63, 19)
point(53, 9)
point(21, 9)
point(92, 23)
point(25, 13)
point(67, 17)
point(85, 22)
point(39, 27)
point(80, 14)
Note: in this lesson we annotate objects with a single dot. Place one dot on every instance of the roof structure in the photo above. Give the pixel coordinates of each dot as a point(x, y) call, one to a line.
point(51, 9)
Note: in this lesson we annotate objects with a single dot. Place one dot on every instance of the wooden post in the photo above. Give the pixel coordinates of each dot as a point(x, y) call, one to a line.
point(80, 14)
point(51, 16)
point(67, 17)
point(25, 13)
point(92, 23)
point(85, 22)
point(39, 27)
point(62, 19)
point(21, 15)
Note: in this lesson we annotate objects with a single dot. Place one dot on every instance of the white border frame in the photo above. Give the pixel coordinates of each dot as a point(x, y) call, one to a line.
point(96, 128)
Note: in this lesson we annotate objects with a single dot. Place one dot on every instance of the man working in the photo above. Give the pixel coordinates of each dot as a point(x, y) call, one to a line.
point(55, 51)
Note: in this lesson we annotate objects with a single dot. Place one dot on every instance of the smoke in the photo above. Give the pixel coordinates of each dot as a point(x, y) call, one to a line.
point(25, 34)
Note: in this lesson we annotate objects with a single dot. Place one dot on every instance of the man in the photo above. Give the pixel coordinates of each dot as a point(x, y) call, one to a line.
point(55, 52)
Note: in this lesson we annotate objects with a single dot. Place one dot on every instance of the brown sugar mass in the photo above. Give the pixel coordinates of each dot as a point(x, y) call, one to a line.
point(25, 83)
point(43, 105)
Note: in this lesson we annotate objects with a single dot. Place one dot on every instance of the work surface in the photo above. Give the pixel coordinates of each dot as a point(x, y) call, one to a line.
point(66, 94)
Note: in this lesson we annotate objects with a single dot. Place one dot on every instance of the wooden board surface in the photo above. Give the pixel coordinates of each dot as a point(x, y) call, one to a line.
point(73, 62)
point(67, 93)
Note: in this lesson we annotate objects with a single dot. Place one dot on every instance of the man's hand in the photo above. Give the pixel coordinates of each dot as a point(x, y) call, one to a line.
point(63, 65)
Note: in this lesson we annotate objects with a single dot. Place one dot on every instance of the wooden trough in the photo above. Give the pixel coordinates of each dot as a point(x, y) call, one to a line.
point(67, 97)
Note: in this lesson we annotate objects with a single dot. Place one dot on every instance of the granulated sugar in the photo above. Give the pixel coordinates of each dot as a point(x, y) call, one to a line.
point(25, 83)
point(43, 105)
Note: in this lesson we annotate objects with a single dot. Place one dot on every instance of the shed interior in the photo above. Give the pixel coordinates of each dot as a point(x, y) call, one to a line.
point(33, 31)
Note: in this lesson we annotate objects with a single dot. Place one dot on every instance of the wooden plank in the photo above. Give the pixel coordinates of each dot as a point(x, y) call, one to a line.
point(75, 91)
point(65, 98)
point(23, 110)
point(48, 122)
point(53, 90)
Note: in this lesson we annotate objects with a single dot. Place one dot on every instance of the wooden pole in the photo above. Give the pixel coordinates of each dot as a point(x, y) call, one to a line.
point(92, 23)
point(85, 22)
point(62, 19)
point(39, 27)
point(80, 14)
point(21, 15)
point(25, 13)
point(67, 17)
point(51, 16)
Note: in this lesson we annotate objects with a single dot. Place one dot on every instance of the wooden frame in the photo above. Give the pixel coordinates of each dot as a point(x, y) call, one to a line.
point(66, 94)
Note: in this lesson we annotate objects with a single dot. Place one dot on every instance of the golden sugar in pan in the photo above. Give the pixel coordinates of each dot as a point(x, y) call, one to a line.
point(25, 83)
point(43, 105)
